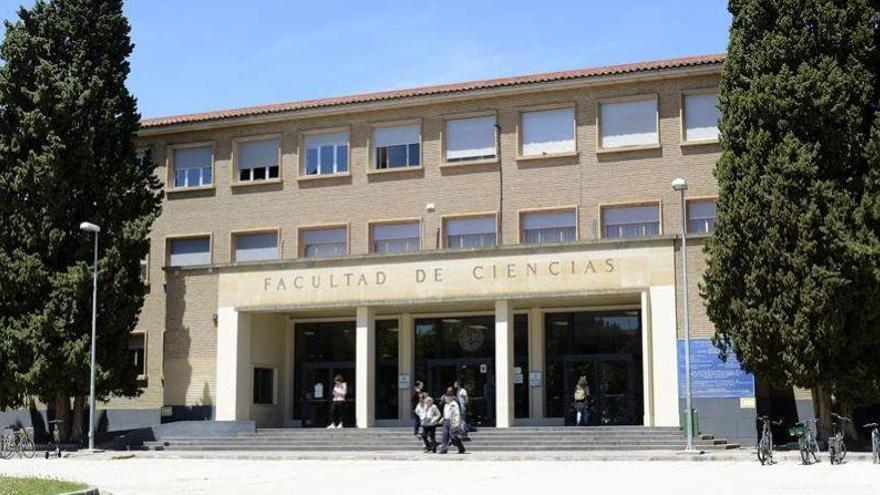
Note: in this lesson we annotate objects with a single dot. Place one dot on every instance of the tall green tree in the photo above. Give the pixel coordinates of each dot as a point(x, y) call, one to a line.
point(67, 123)
point(792, 283)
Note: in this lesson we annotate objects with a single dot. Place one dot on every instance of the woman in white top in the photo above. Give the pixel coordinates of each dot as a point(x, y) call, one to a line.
point(340, 390)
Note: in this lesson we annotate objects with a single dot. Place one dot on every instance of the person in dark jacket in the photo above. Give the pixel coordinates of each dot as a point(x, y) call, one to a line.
point(414, 401)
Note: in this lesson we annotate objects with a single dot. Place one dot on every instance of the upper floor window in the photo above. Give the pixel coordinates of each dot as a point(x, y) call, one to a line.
point(255, 246)
point(395, 237)
point(324, 242)
point(631, 221)
point(145, 269)
point(326, 153)
point(137, 354)
point(701, 116)
point(549, 227)
point(193, 166)
point(470, 139)
point(628, 123)
point(701, 216)
point(470, 232)
point(548, 132)
point(397, 147)
point(257, 160)
point(189, 251)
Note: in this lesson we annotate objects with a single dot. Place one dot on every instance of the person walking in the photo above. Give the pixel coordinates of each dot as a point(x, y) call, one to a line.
point(451, 425)
point(581, 392)
point(429, 418)
point(337, 402)
point(415, 400)
point(462, 397)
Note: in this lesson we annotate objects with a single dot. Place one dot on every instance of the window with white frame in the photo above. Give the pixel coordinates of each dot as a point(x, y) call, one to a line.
point(396, 237)
point(325, 154)
point(549, 227)
point(470, 232)
point(397, 147)
point(701, 116)
point(548, 132)
point(264, 385)
point(189, 251)
point(137, 355)
point(701, 216)
point(257, 160)
point(631, 221)
point(470, 139)
point(145, 269)
point(193, 167)
point(324, 242)
point(256, 246)
point(628, 123)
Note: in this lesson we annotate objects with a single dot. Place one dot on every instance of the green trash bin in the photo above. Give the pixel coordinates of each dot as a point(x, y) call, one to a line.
point(695, 417)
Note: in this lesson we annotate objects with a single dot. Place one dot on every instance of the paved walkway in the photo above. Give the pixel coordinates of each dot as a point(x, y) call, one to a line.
point(135, 476)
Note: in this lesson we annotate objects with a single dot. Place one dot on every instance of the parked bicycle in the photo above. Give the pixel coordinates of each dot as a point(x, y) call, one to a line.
point(765, 445)
point(806, 435)
point(875, 441)
point(17, 441)
point(56, 438)
point(836, 443)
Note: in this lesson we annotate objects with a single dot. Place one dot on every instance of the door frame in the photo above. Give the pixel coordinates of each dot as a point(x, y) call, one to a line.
point(568, 381)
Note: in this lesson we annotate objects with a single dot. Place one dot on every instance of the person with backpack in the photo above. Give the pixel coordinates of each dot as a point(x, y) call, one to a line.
point(429, 417)
point(581, 392)
point(451, 425)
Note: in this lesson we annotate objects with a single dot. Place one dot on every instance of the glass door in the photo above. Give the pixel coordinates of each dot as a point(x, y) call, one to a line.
point(613, 388)
point(475, 375)
point(317, 386)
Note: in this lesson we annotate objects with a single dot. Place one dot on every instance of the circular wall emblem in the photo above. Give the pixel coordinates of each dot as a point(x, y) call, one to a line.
point(470, 338)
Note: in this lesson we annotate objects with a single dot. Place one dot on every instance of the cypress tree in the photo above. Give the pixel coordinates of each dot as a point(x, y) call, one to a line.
point(792, 281)
point(67, 123)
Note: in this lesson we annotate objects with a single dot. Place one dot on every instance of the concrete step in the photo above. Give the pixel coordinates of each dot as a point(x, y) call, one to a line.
point(323, 448)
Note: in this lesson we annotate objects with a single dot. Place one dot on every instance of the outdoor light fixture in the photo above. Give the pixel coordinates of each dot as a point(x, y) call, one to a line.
point(90, 227)
point(681, 186)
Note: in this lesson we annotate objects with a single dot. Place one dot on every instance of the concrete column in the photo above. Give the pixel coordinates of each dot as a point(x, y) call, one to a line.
point(647, 361)
point(406, 363)
point(664, 354)
point(234, 373)
point(536, 362)
point(365, 367)
point(503, 364)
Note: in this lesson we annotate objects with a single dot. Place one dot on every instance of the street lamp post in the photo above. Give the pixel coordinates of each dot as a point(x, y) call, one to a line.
point(90, 227)
point(681, 186)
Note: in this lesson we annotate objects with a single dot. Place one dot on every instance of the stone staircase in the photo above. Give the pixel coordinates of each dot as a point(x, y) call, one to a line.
point(518, 439)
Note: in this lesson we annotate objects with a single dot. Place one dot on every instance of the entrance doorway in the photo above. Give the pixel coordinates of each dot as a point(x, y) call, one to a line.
point(611, 378)
point(317, 385)
point(476, 375)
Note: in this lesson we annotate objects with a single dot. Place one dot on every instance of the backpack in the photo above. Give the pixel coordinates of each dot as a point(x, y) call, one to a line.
point(580, 394)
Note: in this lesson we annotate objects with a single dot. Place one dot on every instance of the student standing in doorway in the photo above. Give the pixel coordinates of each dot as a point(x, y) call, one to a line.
point(581, 392)
point(416, 398)
point(451, 425)
point(337, 402)
point(462, 396)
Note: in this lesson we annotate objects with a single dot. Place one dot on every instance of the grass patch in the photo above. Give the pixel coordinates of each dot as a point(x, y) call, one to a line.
point(36, 486)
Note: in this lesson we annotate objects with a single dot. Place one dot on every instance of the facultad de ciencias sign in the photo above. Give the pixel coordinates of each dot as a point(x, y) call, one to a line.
point(474, 272)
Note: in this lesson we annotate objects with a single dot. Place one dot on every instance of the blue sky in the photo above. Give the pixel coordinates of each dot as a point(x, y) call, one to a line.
point(198, 55)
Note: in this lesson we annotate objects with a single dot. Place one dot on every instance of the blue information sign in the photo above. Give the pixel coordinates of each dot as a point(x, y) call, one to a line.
point(712, 378)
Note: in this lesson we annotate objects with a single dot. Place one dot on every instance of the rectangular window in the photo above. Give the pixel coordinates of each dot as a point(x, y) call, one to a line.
point(264, 386)
point(471, 232)
point(396, 237)
point(189, 252)
point(631, 123)
point(631, 221)
point(701, 116)
point(145, 269)
point(256, 247)
point(549, 227)
point(397, 147)
point(137, 353)
point(324, 243)
point(470, 139)
point(326, 154)
point(193, 167)
point(258, 160)
point(701, 216)
point(548, 132)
